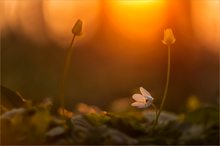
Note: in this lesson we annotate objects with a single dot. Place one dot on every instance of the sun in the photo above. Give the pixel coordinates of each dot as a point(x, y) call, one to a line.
point(137, 19)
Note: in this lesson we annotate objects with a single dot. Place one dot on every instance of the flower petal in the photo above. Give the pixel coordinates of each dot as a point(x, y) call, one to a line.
point(139, 104)
point(139, 97)
point(150, 98)
point(144, 92)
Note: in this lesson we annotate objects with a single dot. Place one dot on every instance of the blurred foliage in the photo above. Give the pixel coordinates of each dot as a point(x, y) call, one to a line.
point(10, 99)
point(36, 124)
point(193, 103)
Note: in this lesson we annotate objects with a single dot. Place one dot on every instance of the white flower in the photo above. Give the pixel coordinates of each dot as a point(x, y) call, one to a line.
point(142, 100)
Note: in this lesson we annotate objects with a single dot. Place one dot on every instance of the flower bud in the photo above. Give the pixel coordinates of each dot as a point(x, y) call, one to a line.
point(168, 37)
point(77, 28)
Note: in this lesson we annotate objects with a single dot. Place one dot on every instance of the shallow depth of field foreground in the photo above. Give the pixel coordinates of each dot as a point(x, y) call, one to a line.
point(109, 72)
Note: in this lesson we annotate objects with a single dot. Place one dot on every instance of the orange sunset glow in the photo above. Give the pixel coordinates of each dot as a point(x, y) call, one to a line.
point(60, 15)
point(109, 72)
point(206, 21)
point(138, 20)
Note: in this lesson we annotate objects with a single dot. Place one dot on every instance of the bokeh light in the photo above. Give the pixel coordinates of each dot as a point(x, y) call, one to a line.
point(138, 20)
point(123, 38)
point(206, 23)
point(60, 17)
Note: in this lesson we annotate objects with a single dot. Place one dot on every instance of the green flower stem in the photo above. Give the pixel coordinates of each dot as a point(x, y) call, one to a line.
point(65, 73)
point(166, 87)
point(155, 108)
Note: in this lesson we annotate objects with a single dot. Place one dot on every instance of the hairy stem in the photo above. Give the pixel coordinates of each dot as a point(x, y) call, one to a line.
point(65, 73)
point(166, 87)
point(155, 108)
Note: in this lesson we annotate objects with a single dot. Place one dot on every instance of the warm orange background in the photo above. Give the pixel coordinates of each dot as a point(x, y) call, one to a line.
point(120, 48)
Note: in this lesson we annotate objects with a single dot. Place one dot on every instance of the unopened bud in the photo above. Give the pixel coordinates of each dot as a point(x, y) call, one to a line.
point(77, 28)
point(168, 37)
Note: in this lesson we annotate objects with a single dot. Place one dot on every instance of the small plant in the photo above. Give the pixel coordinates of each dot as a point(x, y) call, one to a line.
point(77, 31)
point(145, 100)
point(24, 122)
point(168, 40)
